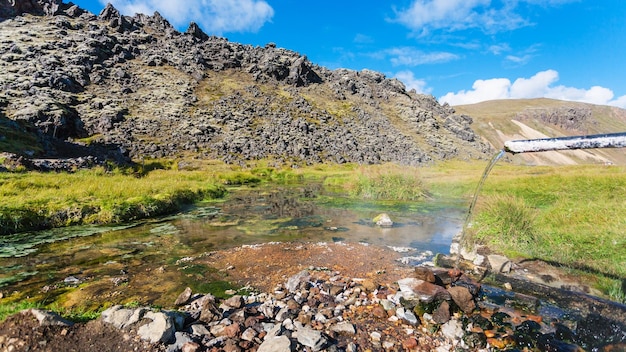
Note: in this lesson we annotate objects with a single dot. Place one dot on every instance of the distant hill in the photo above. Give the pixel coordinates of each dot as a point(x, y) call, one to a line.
point(497, 121)
point(115, 87)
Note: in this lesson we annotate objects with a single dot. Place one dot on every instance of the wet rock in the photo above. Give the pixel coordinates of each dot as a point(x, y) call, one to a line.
point(463, 298)
point(383, 220)
point(549, 342)
point(499, 263)
point(563, 333)
point(478, 320)
point(475, 340)
point(596, 331)
point(500, 318)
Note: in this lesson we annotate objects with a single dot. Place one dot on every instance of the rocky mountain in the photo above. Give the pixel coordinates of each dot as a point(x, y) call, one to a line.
point(75, 84)
point(500, 120)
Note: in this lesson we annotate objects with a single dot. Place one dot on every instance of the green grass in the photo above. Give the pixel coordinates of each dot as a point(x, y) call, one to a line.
point(8, 309)
point(573, 216)
point(382, 182)
point(75, 314)
point(35, 200)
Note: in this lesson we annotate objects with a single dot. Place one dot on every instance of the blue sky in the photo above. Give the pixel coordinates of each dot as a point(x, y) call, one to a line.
point(460, 51)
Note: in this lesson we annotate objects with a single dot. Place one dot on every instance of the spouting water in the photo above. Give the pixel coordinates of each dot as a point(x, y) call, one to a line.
point(468, 218)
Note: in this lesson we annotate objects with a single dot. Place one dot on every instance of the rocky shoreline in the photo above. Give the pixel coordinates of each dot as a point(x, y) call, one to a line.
point(319, 309)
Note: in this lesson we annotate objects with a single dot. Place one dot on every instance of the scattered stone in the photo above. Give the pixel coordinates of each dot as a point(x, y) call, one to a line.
point(180, 340)
point(409, 344)
point(234, 302)
point(427, 292)
point(49, 318)
point(441, 315)
point(121, 317)
point(183, 298)
point(311, 338)
point(407, 315)
point(190, 347)
point(161, 329)
point(375, 336)
point(499, 263)
point(294, 281)
point(343, 327)
point(452, 330)
point(424, 273)
point(463, 298)
point(276, 344)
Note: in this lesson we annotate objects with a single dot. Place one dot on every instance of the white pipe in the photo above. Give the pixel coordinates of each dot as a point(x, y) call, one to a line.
point(613, 140)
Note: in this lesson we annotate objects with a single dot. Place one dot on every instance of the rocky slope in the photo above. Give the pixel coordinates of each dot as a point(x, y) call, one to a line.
point(115, 86)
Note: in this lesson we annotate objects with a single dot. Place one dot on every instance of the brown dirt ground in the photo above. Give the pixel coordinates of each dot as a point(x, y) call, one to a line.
point(21, 332)
point(265, 266)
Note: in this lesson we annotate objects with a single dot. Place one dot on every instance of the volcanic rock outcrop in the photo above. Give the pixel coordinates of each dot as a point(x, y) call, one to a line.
point(113, 86)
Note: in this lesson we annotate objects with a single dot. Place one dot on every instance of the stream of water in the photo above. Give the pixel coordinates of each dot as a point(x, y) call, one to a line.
point(470, 212)
point(49, 263)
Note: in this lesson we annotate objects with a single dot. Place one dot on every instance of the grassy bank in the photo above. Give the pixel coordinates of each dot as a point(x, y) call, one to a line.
point(34, 200)
point(570, 215)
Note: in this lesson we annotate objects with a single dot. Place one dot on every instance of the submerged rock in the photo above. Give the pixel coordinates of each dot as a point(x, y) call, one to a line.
point(383, 220)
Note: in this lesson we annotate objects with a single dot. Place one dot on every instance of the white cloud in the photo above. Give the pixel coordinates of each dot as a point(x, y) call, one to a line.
point(519, 60)
point(407, 56)
point(214, 16)
point(422, 16)
point(498, 49)
point(539, 85)
point(409, 80)
point(425, 15)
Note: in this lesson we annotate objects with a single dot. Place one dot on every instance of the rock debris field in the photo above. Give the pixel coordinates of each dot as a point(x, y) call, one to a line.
point(318, 309)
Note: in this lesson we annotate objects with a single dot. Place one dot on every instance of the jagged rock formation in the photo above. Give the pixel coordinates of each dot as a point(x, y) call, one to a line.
point(135, 85)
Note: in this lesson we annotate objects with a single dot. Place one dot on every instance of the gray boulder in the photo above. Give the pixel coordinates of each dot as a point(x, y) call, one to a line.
point(161, 329)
